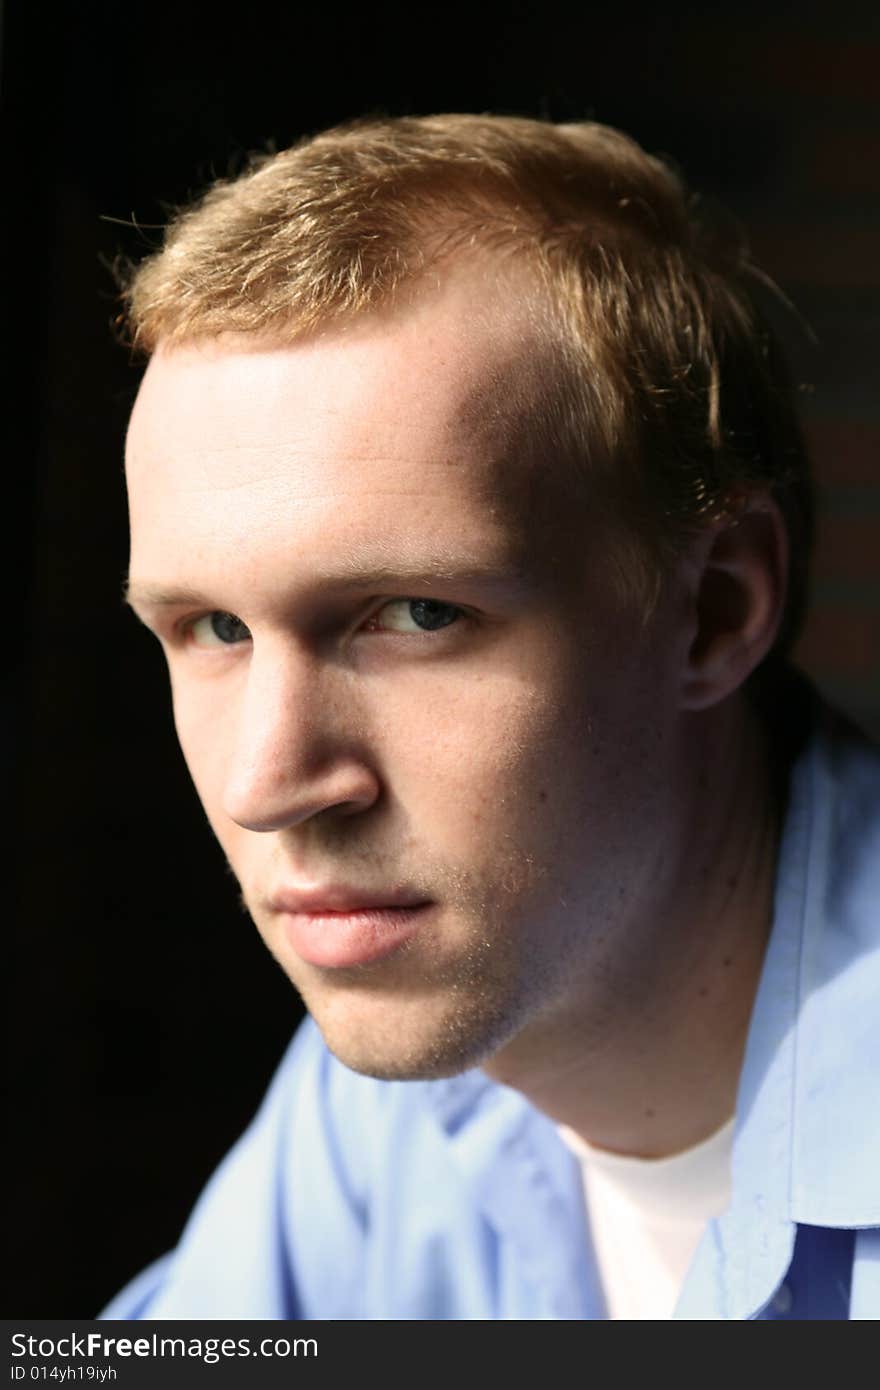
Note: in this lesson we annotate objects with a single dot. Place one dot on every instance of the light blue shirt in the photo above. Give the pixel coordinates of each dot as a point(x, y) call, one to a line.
point(352, 1198)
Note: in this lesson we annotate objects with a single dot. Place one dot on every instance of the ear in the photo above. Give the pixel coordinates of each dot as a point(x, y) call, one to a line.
point(739, 589)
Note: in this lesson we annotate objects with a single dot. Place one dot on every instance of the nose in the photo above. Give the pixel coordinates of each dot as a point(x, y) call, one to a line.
point(300, 748)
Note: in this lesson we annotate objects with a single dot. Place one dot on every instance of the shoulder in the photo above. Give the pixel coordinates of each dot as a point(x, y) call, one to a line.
point(286, 1223)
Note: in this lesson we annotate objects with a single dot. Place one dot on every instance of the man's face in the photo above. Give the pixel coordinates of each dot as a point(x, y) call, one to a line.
point(436, 750)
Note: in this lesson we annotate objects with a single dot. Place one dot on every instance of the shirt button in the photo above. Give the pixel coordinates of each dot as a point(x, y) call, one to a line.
point(783, 1300)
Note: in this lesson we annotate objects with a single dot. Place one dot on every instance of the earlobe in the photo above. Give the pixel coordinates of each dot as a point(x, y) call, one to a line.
point(738, 600)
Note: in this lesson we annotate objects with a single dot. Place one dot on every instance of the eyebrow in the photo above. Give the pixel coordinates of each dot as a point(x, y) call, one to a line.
point(354, 575)
point(156, 596)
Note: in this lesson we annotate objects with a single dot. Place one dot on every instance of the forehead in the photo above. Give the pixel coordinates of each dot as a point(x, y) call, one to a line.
point(384, 426)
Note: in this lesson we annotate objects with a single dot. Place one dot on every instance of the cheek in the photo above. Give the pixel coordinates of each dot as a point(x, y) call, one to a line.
point(543, 766)
point(205, 738)
point(486, 756)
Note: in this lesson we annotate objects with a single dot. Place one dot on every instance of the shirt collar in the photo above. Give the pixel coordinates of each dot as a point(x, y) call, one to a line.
point(808, 1130)
point(528, 1186)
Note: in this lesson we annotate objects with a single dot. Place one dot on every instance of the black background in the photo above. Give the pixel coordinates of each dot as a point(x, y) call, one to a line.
point(145, 1017)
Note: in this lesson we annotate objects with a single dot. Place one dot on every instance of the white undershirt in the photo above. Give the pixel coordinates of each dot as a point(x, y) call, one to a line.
point(647, 1216)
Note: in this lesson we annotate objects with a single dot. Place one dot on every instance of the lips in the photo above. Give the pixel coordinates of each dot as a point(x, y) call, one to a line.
point(341, 898)
point(337, 925)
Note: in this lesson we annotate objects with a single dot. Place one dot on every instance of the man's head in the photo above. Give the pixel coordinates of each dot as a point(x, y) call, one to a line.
point(452, 484)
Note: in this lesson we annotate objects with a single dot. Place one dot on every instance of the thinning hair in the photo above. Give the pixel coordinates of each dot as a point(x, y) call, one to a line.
point(660, 381)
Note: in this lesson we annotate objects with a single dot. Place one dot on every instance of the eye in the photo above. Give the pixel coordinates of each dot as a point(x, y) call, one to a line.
point(218, 630)
point(414, 615)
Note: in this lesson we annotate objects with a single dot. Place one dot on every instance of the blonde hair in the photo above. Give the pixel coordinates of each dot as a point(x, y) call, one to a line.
point(660, 379)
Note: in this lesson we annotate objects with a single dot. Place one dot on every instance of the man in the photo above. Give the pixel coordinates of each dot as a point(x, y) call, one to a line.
point(468, 505)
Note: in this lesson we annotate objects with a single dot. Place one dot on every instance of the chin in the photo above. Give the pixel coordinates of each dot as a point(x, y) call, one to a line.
point(414, 1041)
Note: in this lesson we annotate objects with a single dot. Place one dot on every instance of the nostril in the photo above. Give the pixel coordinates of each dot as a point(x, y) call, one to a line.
point(276, 797)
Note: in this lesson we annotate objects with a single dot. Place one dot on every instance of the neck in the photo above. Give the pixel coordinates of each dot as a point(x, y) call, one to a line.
point(645, 1057)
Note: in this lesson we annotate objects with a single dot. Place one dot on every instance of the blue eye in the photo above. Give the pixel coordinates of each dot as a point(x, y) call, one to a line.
point(218, 630)
point(416, 615)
